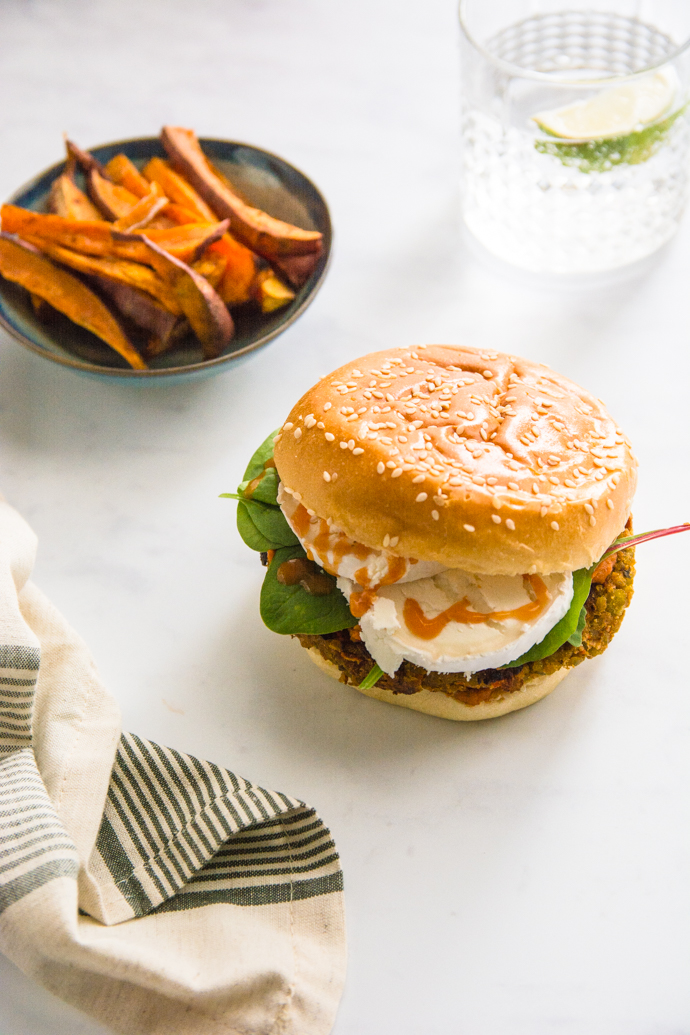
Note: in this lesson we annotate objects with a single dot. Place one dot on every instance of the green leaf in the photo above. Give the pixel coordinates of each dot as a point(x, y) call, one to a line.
point(267, 489)
point(261, 455)
point(371, 679)
point(260, 521)
point(576, 639)
point(568, 625)
point(291, 610)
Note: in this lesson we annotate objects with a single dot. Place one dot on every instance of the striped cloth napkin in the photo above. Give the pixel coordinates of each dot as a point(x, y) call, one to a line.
point(160, 894)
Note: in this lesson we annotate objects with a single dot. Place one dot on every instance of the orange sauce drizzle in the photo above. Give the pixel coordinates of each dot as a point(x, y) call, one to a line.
point(429, 628)
point(361, 602)
point(254, 483)
point(318, 539)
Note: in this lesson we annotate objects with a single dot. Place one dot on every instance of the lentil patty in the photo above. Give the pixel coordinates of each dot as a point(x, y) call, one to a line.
point(605, 607)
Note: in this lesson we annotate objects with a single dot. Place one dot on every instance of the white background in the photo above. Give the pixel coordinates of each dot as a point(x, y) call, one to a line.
point(523, 876)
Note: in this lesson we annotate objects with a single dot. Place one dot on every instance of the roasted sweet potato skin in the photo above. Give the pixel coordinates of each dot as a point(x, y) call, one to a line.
point(178, 189)
point(272, 238)
point(98, 237)
point(139, 307)
point(208, 316)
point(135, 274)
point(110, 199)
point(66, 293)
point(67, 200)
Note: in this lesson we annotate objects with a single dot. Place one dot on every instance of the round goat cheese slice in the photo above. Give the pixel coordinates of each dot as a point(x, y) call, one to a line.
point(441, 642)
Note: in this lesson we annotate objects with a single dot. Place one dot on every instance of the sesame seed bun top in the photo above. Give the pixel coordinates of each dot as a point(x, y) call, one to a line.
point(476, 460)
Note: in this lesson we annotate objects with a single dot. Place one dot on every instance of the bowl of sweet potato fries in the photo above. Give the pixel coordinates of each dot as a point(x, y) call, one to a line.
point(158, 258)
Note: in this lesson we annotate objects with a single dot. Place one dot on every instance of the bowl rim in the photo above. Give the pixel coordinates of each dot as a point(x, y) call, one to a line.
point(205, 365)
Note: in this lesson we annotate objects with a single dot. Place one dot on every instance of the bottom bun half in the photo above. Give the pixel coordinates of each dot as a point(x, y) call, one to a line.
point(435, 702)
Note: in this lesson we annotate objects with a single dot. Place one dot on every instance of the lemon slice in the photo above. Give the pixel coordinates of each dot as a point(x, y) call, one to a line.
point(615, 112)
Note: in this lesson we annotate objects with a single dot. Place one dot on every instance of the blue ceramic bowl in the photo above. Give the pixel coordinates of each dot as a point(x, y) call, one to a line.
point(265, 180)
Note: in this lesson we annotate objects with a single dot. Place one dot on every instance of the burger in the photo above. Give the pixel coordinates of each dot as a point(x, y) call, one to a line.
point(445, 528)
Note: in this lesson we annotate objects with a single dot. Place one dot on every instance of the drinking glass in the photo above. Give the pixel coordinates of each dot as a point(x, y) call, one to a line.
point(576, 129)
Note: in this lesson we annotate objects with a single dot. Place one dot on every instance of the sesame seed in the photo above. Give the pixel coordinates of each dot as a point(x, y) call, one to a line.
point(421, 497)
point(514, 486)
point(309, 420)
point(289, 426)
point(510, 524)
point(327, 406)
point(358, 451)
point(418, 478)
point(396, 473)
point(592, 521)
point(589, 508)
point(555, 526)
point(343, 445)
point(468, 528)
point(380, 467)
point(329, 436)
point(394, 540)
point(496, 519)
point(434, 514)
point(487, 373)
point(320, 424)
point(298, 433)
point(535, 488)
point(386, 540)
point(609, 504)
point(326, 476)
point(544, 511)
point(391, 464)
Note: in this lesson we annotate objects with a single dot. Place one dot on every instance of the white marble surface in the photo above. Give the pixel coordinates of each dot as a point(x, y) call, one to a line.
point(525, 876)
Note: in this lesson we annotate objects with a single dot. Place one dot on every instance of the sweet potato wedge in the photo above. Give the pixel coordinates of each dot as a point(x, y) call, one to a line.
point(133, 273)
point(145, 210)
point(84, 159)
point(139, 307)
point(98, 237)
point(270, 237)
point(211, 267)
point(179, 215)
point(66, 293)
point(244, 273)
point(67, 200)
point(205, 310)
point(272, 294)
point(178, 190)
point(123, 171)
point(110, 199)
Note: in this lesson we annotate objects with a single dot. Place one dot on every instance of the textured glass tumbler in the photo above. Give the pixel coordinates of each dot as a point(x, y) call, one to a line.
point(576, 129)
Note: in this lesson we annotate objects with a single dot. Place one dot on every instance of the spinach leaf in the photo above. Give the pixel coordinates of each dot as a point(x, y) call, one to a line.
point(263, 528)
point(251, 535)
point(258, 460)
point(267, 489)
point(290, 609)
point(576, 639)
point(260, 521)
point(568, 625)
